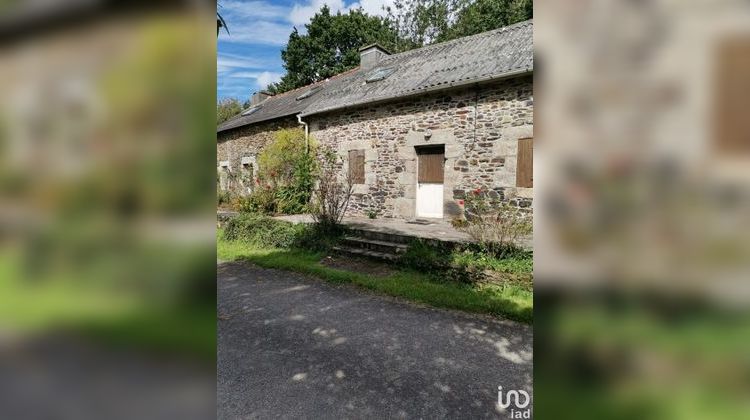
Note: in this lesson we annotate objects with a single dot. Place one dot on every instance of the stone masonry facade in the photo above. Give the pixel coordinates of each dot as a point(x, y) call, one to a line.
point(479, 127)
point(237, 152)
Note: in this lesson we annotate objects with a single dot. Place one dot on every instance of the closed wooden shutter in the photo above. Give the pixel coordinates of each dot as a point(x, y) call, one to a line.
point(431, 164)
point(525, 163)
point(732, 125)
point(357, 166)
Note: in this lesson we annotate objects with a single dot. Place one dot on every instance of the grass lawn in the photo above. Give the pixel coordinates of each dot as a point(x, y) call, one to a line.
point(508, 301)
point(69, 306)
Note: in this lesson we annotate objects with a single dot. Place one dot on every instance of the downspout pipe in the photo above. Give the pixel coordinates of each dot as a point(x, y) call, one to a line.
point(307, 133)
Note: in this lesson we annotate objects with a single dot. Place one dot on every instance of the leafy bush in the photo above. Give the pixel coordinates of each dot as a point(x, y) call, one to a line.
point(287, 170)
point(318, 238)
point(223, 198)
point(425, 257)
point(291, 199)
point(495, 225)
point(267, 232)
point(459, 223)
point(263, 231)
point(468, 264)
point(261, 201)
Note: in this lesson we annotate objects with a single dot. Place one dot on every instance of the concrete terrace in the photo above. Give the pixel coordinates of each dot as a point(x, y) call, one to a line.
point(435, 230)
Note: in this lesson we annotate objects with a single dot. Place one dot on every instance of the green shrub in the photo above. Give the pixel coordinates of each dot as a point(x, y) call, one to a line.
point(223, 198)
point(494, 224)
point(280, 161)
point(291, 199)
point(261, 201)
point(459, 223)
point(469, 263)
point(262, 231)
point(425, 257)
point(287, 172)
point(267, 232)
point(317, 237)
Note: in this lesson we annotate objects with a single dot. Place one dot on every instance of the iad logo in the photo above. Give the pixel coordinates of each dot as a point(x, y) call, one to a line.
point(517, 412)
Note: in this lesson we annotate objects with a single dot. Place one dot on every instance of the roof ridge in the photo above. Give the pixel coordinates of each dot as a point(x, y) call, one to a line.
point(461, 39)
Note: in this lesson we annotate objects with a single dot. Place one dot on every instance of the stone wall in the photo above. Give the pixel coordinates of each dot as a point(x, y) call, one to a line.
point(479, 126)
point(237, 150)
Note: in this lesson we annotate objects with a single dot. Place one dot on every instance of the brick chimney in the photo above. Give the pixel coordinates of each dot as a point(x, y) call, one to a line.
point(371, 55)
point(259, 97)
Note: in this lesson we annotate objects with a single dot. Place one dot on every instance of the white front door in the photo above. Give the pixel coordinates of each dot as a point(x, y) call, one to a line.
point(430, 165)
point(430, 200)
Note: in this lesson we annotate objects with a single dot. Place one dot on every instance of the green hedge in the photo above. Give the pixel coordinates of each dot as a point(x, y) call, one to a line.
point(267, 232)
point(263, 231)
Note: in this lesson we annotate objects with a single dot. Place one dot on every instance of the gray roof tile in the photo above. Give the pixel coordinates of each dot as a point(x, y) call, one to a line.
point(280, 105)
point(486, 56)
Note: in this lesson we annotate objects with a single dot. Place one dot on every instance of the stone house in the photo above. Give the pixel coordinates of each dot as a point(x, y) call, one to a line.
point(418, 130)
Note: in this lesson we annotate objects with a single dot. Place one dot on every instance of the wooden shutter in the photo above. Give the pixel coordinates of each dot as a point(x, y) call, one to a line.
point(431, 164)
point(732, 125)
point(357, 166)
point(525, 163)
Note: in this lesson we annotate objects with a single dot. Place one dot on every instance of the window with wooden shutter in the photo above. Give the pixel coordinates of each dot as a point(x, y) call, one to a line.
point(357, 166)
point(525, 163)
point(732, 125)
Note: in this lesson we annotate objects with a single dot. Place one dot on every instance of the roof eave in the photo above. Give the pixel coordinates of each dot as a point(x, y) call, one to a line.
point(493, 78)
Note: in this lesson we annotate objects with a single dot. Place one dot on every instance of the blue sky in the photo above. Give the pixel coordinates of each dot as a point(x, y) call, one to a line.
point(249, 58)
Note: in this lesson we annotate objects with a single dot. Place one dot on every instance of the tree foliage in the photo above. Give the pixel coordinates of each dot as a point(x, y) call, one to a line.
point(486, 15)
point(281, 160)
point(227, 108)
point(422, 22)
point(330, 46)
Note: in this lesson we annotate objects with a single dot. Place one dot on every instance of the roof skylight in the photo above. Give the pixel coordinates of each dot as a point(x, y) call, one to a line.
point(249, 111)
point(379, 73)
point(309, 93)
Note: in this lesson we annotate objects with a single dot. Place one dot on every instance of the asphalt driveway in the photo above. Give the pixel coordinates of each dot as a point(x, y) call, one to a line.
point(290, 346)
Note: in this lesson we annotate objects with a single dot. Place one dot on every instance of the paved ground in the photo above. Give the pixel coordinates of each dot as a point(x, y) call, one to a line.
point(67, 378)
point(437, 229)
point(294, 347)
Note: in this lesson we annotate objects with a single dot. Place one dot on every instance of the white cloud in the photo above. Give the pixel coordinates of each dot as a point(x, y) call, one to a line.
point(244, 75)
point(258, 32)
point(266, 78)
point(227, 63)
point(243, 10)
point(302, 12)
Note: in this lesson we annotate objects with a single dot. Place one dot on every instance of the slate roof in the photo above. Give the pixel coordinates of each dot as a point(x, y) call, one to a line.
point(280, 105)
point(486, 56)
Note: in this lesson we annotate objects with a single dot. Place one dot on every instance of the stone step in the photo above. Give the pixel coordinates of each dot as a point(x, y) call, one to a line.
point(375, 245)
point(360, 252)
point(381, 236)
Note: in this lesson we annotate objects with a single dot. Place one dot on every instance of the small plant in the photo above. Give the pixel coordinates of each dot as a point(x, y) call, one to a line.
point(459, 223)
point(262, 200)
point(223, 198)
point(372, 214)
point(496, 226)
point(331, 196)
